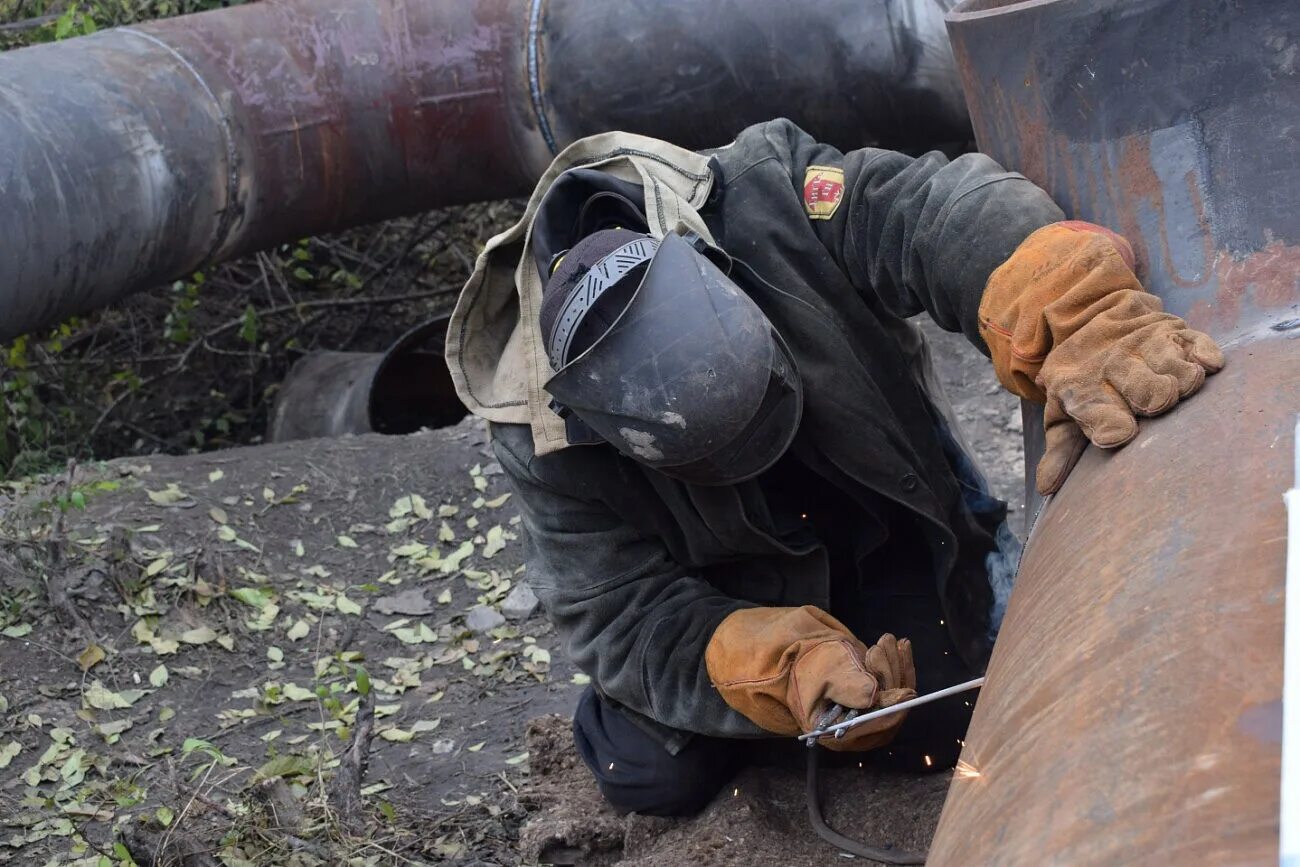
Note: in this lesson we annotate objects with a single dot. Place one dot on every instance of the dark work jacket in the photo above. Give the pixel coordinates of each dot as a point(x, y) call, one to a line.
point(636, 569)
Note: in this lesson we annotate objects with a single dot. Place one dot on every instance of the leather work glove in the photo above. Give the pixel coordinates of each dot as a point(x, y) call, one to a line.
point(1068, 325)
point(783, 667)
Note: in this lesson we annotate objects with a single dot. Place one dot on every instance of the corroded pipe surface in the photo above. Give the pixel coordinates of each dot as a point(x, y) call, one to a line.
point(1133, 707)
point(182, 142)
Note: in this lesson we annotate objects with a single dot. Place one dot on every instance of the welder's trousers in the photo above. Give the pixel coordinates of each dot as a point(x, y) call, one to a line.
point(636, 774)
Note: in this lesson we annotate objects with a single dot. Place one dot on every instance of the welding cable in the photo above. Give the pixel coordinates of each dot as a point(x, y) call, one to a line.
point(883, 854)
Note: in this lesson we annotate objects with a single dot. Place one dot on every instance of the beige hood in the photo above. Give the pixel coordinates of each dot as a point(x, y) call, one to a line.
point(494, 341)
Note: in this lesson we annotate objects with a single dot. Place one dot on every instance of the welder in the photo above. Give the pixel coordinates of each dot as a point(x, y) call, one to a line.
point(746, 498)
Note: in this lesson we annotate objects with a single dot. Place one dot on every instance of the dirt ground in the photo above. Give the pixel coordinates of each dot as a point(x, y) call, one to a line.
point(192, 644)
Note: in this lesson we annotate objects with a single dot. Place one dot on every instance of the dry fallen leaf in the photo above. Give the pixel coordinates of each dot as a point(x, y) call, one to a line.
point(92, 656)
point(100, 697)
point(495, 542)
point(199, 635)
point(9, 752)
point(168, 496)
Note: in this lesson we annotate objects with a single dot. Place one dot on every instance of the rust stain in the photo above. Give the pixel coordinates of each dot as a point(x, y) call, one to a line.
point(1267, 278)
point(1137, 181)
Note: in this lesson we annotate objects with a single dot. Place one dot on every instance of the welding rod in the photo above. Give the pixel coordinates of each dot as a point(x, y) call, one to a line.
point(811, 737)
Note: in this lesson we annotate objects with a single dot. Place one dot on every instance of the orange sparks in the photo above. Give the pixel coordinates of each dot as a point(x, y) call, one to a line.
point(927, 761)
point(966, 771)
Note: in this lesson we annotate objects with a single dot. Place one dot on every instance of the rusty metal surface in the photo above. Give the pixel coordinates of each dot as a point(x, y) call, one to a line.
point(184, 141)
point(181, 142)
point(1133, 707)
point(1184, 143)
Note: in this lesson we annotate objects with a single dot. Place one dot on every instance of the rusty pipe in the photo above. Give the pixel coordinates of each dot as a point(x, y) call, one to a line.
point(136, 155)
point(1133, 708)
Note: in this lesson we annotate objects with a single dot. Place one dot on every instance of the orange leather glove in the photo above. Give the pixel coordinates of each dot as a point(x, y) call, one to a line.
point(1069, 326)
point(783, 667)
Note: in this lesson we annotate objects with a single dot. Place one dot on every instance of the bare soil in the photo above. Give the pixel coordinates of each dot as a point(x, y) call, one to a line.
point(171, 625)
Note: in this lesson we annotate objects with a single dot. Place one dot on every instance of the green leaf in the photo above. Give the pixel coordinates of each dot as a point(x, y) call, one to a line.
point(253, 596)
point(346, 605)
point(248, 328)
point(299, 630)
point(164, 815)
point(285, 766)
point(201, 635)
point(63, 27)
point(363, 681)
point(158, 677)
point(9, 752)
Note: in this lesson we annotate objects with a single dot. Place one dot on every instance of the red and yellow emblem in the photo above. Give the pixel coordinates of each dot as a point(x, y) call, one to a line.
point(823, 187)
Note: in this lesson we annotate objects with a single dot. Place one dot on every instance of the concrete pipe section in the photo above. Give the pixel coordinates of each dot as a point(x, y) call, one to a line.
point(1133, 707)
point(178, 143)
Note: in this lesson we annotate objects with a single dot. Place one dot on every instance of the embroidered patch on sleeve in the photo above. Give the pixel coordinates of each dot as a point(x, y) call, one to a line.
point(823, 187)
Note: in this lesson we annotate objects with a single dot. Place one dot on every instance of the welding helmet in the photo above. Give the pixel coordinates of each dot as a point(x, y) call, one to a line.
point(656, 351)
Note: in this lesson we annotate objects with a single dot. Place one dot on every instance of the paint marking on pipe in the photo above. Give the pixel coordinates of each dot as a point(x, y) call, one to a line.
point(1289, 845)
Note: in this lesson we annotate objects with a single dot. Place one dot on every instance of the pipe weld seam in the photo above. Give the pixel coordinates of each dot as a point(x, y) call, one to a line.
point(227, 219)
point(534, 74)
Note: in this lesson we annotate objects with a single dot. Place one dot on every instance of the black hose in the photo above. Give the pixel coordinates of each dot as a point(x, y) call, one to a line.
point(883, 854)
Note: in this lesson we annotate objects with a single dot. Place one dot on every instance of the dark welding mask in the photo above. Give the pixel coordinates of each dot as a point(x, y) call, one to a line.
point(659, 353)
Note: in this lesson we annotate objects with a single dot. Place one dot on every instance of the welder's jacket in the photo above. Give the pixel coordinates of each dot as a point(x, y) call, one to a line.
point(636, 569)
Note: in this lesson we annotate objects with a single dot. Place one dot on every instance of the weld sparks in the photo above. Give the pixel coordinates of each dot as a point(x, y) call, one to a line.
point(965, 770)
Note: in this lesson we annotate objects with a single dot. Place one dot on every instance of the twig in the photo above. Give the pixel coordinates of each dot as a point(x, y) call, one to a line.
point(56, 581)
point(28, 24)
point(346, 789)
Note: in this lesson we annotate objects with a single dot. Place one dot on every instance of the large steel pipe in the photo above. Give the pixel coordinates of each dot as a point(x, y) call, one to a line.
point(181, 142)
point(1133, 707)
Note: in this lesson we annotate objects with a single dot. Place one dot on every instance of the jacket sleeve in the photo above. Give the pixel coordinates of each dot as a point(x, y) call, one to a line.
point(918, 234)
point(629, 616)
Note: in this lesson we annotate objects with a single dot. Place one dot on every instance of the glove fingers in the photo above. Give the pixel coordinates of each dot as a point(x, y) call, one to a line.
point(1148, 385)
point(1201, 348)
point(1065, 444)
point(1188, 374)
point(891, 697)
point(1102, 415)
point(907, 664)
point(882, 661)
